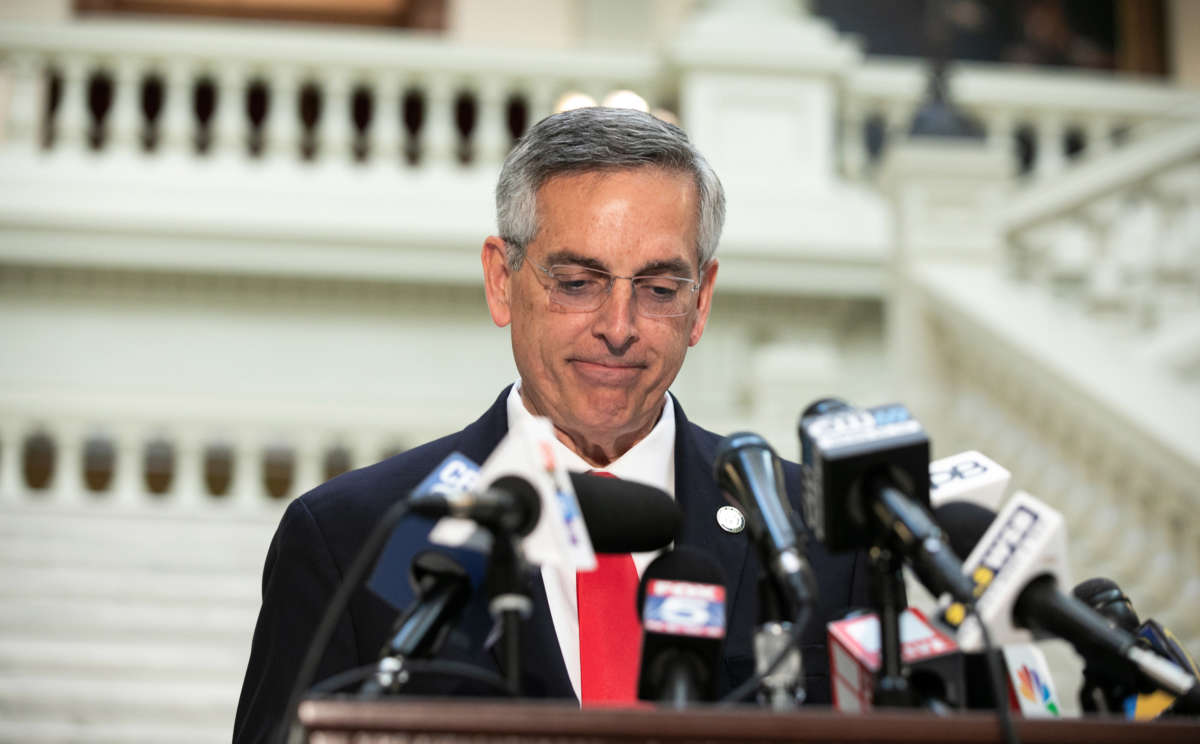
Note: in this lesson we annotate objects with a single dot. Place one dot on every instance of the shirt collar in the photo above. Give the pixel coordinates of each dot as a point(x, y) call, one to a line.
point(651, 460)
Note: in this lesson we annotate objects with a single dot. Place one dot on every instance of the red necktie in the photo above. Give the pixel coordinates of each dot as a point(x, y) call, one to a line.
point(610, 634)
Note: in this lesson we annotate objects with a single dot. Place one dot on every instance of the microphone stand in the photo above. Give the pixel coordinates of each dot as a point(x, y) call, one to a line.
point(892, 688)
point(509, 605)
point(774, 644)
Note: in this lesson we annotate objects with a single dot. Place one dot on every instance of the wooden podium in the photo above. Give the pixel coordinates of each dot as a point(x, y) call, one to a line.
point(482, 722)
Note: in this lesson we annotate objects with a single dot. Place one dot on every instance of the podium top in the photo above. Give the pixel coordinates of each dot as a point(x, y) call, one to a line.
point(332, 720)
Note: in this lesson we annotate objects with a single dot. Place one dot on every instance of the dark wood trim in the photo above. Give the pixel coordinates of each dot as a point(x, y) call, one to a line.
point(418, 14)
point(1141, 37)
point(338, 720)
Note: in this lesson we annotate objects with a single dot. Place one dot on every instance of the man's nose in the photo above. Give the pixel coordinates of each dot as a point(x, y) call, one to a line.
point(616, 319)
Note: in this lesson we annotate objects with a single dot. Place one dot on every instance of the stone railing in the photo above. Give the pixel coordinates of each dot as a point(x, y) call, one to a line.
point(241, 92)
point(1039, 118)
point(178, 456)
point(1121, 238)
point(1073, 357)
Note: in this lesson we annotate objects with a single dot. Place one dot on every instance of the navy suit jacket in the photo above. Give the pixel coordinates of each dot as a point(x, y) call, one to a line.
point(322, 531)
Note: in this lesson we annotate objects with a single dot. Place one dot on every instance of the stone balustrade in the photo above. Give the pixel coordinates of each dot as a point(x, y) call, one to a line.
point(232, 91)
point(249, 464)
point(1040, 119)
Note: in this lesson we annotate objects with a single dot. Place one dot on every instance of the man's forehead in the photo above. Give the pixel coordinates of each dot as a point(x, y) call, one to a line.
point(669, 256)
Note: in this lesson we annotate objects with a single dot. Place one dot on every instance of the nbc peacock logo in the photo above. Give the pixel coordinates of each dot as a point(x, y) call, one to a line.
point(1034, 689)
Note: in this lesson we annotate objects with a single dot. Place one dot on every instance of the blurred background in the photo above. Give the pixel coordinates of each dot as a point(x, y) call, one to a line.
point(239, 252)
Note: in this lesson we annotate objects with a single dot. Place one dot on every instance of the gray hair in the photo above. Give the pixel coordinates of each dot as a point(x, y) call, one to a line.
point(598, 139)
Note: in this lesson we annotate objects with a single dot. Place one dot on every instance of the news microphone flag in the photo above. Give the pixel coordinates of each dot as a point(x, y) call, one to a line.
point(968, 476)
point(855, 657)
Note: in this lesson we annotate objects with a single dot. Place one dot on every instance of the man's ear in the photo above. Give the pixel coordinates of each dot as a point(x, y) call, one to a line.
point(496, 279)
point(703, 302)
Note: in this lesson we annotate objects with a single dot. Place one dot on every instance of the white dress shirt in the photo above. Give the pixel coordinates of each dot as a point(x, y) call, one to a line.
point(650, 461)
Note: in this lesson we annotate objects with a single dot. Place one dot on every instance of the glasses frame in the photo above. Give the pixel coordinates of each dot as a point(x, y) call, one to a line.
point(612, 278)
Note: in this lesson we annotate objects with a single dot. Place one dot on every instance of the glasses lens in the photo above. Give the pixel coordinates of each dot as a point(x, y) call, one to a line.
point(662, 296)
point(578, 288)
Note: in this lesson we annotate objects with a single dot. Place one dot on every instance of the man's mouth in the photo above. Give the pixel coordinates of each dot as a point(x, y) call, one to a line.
point(607, 371)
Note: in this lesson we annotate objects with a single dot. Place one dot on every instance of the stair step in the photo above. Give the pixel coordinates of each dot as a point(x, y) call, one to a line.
point(96, 619)
point(54, 731)
point(99, 700)
point(126, 659)
point(236, 588)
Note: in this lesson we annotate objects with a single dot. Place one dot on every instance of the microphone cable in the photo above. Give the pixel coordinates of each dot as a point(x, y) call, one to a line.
point(996, 677)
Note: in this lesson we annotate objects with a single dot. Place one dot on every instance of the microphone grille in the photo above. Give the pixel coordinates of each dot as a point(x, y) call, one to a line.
point(684, 563)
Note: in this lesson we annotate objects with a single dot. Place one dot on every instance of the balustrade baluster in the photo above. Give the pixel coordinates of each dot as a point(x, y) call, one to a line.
point(364, 451)
point(27, 102)
point(1001, 128)
point(309, 470)
point(282, 127)
point(187, 483)
point(438, 134)
point(248, 490)
point(1050, 156)
point(177, 122)
point(1099, 137)
point(66, 482)
point(540, 95)
point(125, 119)
point(491, 123)
point(128, 487)
point(334, 129)
point(384, 134)
point(230, 124)
point(73, 117)
point(12, 484)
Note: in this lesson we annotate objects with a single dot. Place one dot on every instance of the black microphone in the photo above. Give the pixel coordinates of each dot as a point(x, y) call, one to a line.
point(965, 523)
point(1016, 564)
point(1104, 596)
point(1102, 691)
point(750, 474)
point(681, 600)
point(625, 516)
point(509, 505)
point(867, 485)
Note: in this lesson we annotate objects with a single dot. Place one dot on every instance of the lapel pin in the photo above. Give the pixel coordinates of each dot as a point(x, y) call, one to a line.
point(731, 520)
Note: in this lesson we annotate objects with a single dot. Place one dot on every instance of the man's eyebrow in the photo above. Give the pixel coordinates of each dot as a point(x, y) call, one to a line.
point(570, 257)
point(673, 266)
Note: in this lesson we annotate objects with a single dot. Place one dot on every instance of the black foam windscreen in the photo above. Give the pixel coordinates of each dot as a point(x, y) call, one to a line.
point(1104, 596)
point(965, 523)
point(626, 517)
point(527, 505)
point(680, 652)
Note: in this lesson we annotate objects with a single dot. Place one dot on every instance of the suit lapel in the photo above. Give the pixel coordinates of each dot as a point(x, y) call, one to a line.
point(698, 496)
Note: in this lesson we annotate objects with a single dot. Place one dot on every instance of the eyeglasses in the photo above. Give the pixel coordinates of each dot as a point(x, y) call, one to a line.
point(580, 289)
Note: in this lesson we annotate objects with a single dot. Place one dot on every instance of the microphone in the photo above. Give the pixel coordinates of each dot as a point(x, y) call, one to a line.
point(1016, 567)
point(1027, 680)
point(867, 485)
point(750, 475)
point(620, 517)
point(1134, 701)
point(936, 669)
point(443, 588)
point(510, 505)
point(626, 516)
point(681, 600)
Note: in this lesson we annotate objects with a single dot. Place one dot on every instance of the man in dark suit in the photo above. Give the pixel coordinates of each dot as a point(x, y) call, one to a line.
point(604, 267)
